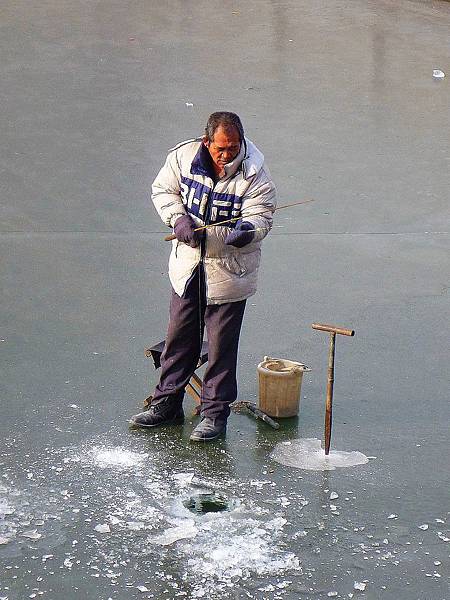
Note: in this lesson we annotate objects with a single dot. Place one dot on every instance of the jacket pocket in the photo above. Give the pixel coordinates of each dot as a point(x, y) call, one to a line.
point(241, 264)
point(233, 264)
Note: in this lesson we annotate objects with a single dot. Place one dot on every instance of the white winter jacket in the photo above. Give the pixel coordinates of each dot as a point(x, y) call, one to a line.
point(246, 190)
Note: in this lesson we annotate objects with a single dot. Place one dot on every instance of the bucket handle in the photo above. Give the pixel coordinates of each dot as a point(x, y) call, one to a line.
point(301, 369)
point(295, 369)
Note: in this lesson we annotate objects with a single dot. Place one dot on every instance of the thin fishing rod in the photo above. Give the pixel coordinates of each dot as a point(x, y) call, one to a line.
point(172, 236)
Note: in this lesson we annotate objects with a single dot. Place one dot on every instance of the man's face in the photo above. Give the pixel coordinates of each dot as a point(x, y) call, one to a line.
point(224, 147)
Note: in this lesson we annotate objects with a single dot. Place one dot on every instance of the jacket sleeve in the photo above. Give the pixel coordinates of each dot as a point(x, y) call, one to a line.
point(166, 191)
point(259, 203)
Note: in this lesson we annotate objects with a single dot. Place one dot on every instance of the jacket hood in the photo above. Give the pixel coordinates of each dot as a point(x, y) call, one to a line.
point(253, 160)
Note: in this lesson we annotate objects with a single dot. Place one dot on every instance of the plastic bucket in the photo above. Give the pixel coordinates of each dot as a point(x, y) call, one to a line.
point(280, 383)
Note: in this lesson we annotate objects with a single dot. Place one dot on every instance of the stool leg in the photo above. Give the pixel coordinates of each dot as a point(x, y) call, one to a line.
point(194, 389)
point(147, 402)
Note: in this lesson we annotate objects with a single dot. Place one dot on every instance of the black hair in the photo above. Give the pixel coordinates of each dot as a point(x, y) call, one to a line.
point(225, 119)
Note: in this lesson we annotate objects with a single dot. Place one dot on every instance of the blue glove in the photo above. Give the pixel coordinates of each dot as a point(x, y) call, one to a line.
point(241, 236)
point(184, 229)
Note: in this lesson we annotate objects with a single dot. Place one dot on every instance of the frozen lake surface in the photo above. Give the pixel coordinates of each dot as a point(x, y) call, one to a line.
point(101, 519)
point(342, 100)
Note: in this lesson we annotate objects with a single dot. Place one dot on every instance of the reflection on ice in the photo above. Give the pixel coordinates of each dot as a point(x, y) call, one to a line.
point(308, 454)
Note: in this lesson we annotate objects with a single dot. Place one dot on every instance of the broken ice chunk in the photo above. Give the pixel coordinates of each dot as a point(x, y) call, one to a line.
point(46, 557)
point(32, 534)
point(186, 531)
point(283, 584)
point(183, 479)
point(135, 525)
point(268, 588)
point(359, 585)
point(102, 528)
point(333, 496)
point(299, 534)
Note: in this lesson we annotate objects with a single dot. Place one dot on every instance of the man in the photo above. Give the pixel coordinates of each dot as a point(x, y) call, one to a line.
point(213, 271)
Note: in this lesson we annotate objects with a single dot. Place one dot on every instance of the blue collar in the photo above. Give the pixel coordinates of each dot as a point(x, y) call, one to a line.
point(202, 163)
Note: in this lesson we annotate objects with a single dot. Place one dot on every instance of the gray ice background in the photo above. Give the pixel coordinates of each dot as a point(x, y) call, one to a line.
point(341, 99)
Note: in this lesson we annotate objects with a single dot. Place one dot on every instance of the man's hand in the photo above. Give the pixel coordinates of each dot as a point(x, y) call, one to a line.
point(240, 236)
point(184, 229)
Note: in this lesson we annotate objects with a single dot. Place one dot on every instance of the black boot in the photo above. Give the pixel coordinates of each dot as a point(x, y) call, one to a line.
point(166, 411)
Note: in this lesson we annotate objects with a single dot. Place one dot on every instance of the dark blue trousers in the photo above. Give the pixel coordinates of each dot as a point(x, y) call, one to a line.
point(188, 317)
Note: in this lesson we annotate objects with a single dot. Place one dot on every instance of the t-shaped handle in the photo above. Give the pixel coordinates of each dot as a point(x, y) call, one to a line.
point(332, 329)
